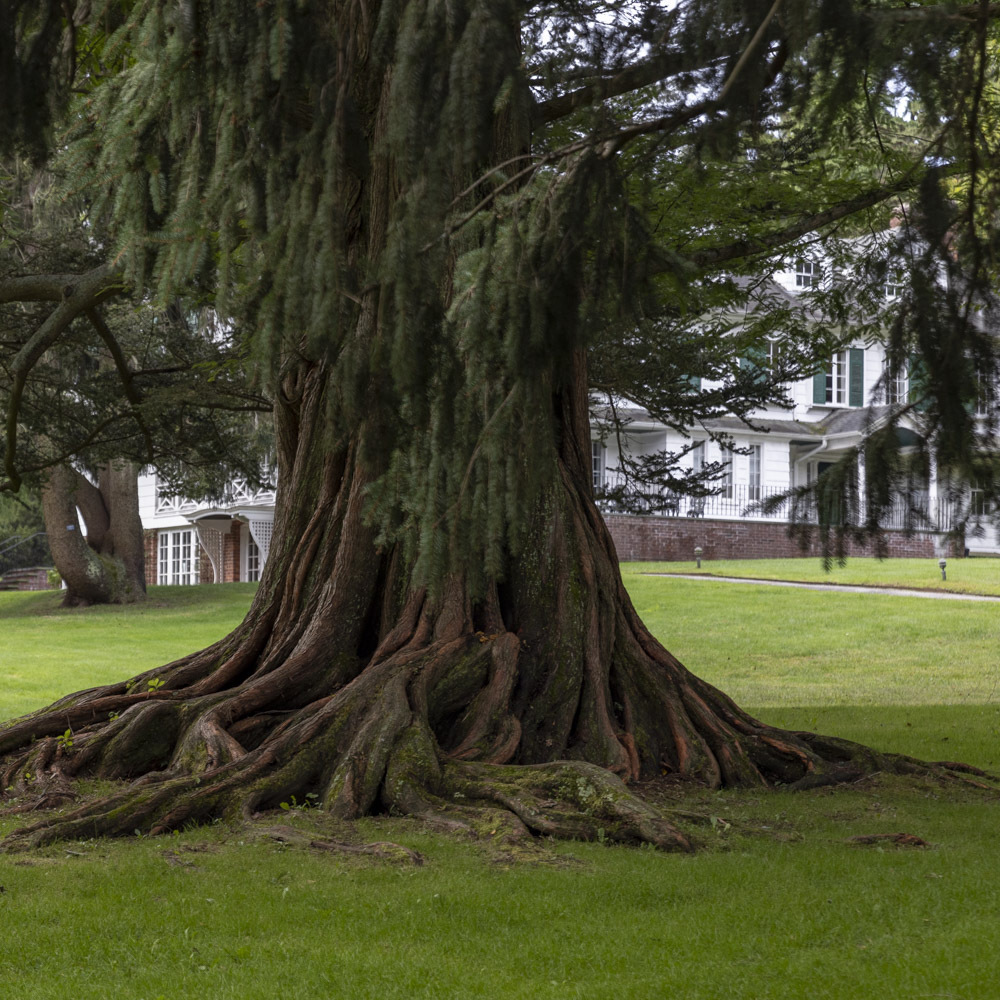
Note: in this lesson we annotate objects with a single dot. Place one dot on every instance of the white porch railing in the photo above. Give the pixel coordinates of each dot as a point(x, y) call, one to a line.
point(741, 502)
point(237, 494)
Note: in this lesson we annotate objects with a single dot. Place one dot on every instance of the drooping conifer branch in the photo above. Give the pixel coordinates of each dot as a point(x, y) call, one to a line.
point(441, 629)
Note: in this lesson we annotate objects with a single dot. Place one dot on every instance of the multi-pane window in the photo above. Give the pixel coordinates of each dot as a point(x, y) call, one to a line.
point(754, 481)
point(894, 286)
point(836, 379)
point(178, 557)
point(984, 399)
point(698, 457)
point(252, 574)
point(726, 479)
point(896, 385)
point(597, 464)
point(979, 505)
point(807, 273)
point(775, 349)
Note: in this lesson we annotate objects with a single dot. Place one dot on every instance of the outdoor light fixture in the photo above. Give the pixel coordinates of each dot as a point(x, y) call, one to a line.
point(697, 555)
point(942, 563)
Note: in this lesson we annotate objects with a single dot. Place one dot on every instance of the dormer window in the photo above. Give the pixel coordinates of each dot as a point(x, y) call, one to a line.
point(894, 286)
point(807, 273)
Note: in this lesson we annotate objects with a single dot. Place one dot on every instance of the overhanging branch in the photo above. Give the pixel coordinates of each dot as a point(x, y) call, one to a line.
point(80, 293)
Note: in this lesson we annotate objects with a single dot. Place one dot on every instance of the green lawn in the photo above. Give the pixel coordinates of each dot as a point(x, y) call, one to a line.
point(47, 651)
point(775, 906)
point(970, 576)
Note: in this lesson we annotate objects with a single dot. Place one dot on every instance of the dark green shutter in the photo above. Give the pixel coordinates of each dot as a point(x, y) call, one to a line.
point(819, 387)
point(756, 361)
point(856, 377)
point(918, 383)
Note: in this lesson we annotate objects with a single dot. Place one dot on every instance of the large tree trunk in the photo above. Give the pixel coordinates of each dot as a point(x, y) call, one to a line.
point(107, 566)
point(537, 699)
point(537, 703)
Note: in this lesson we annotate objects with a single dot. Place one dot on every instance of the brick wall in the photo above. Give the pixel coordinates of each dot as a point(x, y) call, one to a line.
point(29, 578)
point(675, 538)
point(231, 554)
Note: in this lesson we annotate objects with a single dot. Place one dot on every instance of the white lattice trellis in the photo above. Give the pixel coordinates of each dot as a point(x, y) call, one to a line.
point(261, 531)
point(211, 540)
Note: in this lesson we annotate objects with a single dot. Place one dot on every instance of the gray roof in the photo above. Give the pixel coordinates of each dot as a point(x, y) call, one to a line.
point(784, 428)
point(853, 420)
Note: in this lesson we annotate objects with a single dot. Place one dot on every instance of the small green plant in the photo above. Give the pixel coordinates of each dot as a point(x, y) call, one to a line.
point(55, 580)
point(312, 802)
point(112, 715)
point(154, 683)
point(65, 740)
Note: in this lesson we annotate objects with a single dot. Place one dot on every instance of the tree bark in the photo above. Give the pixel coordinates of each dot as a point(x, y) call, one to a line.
point(534, 706)
point(107, 565)
point(535, 702)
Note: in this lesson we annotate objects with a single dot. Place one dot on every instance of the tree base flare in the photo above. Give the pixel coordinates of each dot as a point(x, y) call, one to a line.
point(426, 729)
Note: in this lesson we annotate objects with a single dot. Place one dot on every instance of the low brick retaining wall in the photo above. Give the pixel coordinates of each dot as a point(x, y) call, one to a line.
point(670, 539)
point(31, 578)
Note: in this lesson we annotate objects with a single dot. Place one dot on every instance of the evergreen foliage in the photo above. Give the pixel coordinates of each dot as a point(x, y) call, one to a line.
point(428, 221)
point(123, 380)
point(459, 261)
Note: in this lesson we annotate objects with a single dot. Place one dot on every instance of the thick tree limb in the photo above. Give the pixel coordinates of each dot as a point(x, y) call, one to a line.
point(90, 501)
point(132, 393)
point(43, 287)
point(78, 295)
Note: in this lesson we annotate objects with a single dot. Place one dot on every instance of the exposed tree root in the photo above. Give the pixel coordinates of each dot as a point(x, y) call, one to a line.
point(427, 730)
point(526, 712)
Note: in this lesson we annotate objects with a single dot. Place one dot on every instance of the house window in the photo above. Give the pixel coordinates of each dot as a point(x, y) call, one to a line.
point(842, 382)
point(251, 561)
point(597, 451)
point(807, 274)
point(896, 385)
point(894, 286)
point(698, 457)
point(775, 349)
point(836, 379)
point(979, 506)
point(726, 479)
point(754, 483)
point(984, 398)
point(178, 557)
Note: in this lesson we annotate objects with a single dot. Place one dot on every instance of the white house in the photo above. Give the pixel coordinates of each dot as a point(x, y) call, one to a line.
point(190, 541)
point(826, 415)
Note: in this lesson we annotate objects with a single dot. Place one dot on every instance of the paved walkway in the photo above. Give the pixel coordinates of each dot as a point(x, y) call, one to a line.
point(939, 595)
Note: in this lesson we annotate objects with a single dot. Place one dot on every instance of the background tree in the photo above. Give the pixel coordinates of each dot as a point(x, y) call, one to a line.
point(98, 384)
point(430, 214)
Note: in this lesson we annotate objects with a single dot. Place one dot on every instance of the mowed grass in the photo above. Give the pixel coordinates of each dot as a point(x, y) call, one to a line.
point(47, 651)
point(776, 904)
point(976, 575)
